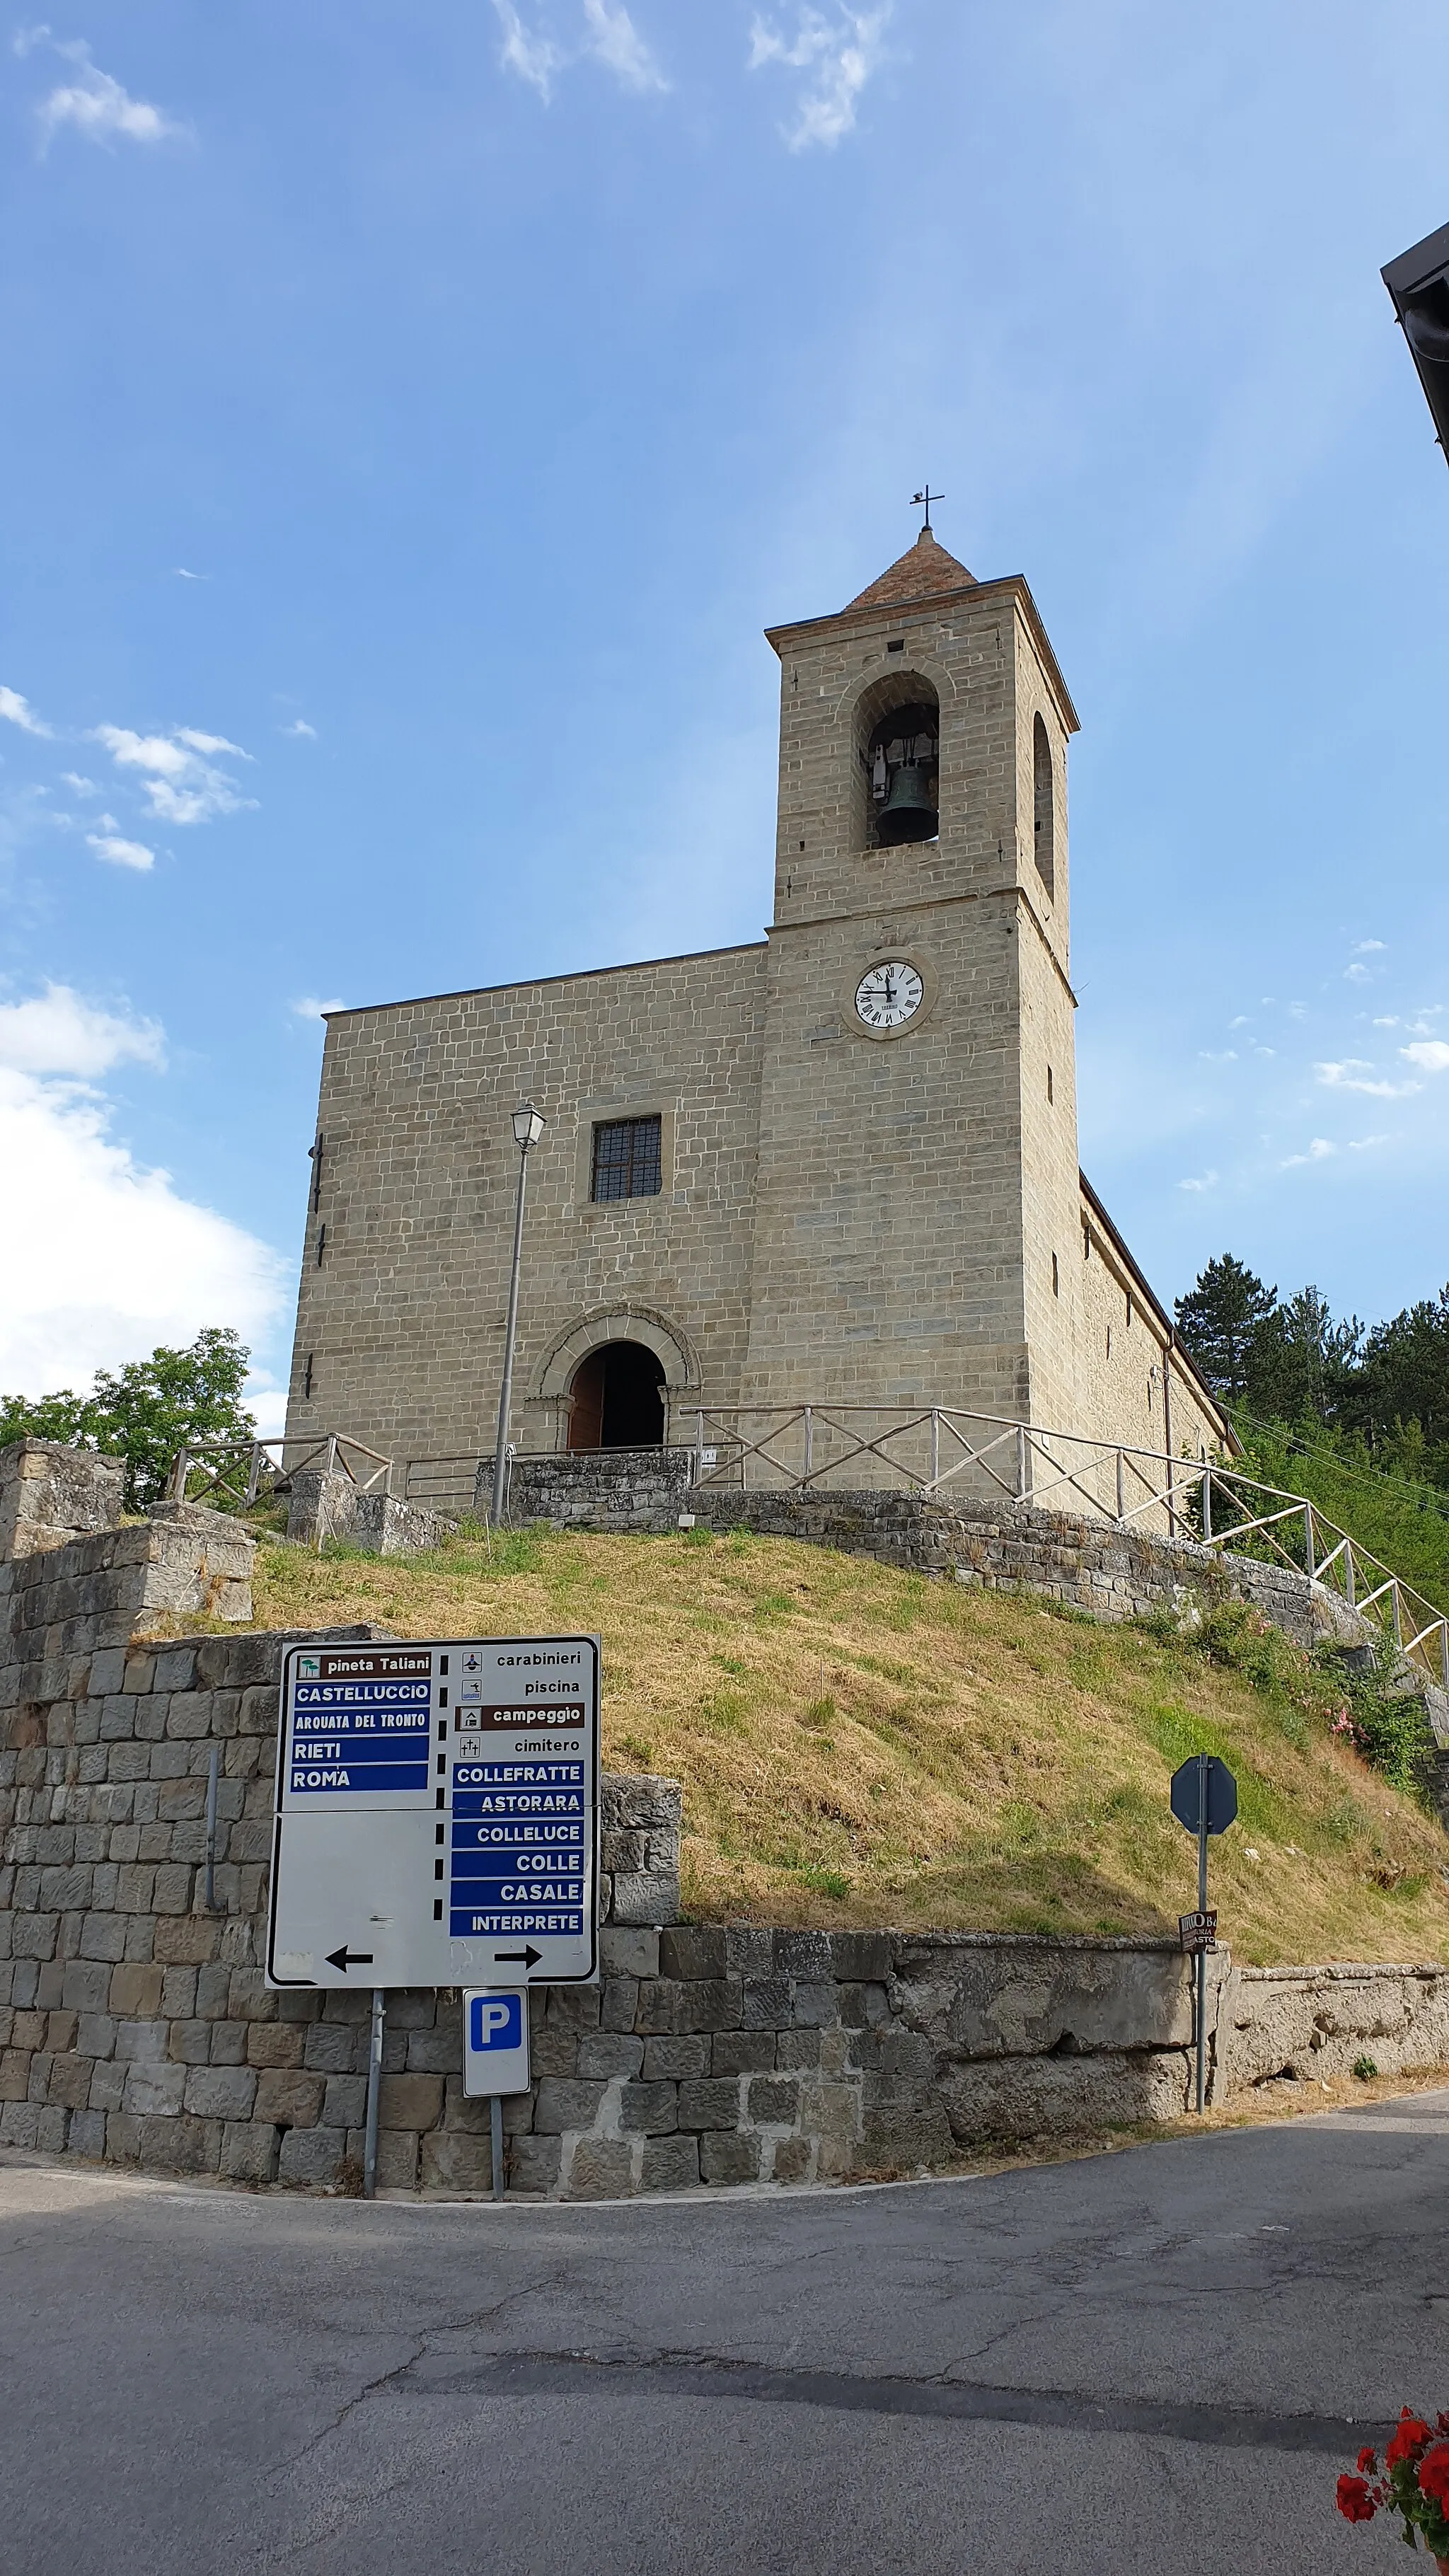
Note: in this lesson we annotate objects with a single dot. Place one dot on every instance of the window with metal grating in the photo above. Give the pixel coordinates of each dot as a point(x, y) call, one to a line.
point(626, 1159)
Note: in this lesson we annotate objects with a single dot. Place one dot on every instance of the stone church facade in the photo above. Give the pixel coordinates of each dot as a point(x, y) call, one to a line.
point(834, 1166)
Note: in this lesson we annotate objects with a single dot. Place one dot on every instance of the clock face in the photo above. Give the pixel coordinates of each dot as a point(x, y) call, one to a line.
point(889, 994)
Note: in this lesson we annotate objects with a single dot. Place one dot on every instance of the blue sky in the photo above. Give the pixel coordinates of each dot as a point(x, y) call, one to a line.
point(412, 417)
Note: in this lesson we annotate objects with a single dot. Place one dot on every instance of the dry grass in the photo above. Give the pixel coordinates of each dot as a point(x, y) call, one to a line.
point(860, 1746)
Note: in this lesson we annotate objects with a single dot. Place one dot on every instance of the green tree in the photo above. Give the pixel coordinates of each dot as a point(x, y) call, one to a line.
point(1300, 1363)
point(146, 1411)
point(1404, 1375)
point(1219, 1321)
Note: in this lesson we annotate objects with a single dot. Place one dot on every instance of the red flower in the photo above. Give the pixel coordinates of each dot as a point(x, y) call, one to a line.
point(1367, 2458)
point(1354, 2501)
point(1434, 2475)
point(1411, 2435)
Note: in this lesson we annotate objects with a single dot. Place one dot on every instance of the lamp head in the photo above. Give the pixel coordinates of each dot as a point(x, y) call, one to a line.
point(528, 1126)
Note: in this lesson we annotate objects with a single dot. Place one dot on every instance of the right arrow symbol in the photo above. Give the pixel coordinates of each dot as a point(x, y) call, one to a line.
point(517, 1958)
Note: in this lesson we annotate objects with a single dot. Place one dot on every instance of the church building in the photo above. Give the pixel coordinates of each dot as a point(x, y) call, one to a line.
point(836, 1166)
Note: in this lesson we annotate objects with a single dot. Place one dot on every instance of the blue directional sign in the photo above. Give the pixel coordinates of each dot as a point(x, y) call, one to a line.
point(436, 1814)
point(360, 1723)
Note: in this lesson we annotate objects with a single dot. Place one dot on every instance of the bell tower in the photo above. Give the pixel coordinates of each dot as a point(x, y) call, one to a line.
point(918, 1202)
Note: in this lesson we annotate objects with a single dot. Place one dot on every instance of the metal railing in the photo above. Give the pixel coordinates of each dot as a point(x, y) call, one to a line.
point(933, 1449)
point(446, 1484)
point(244, 1466)
point(927, 1449)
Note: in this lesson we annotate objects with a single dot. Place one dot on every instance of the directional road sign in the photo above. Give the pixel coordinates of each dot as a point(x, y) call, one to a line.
point(436, 1817)
point(495, 2043)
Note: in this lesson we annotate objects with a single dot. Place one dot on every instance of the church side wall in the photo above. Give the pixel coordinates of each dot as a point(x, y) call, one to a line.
point(403, 1313)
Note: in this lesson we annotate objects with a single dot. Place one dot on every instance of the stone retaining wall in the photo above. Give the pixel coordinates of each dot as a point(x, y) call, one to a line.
point(135, 2024)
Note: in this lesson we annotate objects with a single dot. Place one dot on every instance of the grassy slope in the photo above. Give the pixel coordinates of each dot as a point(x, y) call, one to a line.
point(861, 1746)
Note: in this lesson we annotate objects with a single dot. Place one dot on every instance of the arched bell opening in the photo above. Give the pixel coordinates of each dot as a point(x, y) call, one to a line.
point(900, 754)
point(616, 1399)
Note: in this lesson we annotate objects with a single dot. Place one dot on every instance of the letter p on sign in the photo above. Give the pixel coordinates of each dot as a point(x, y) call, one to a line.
point(495, 2043)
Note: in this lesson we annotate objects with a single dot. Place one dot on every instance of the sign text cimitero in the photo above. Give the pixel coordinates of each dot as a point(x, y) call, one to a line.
point(436, 1814)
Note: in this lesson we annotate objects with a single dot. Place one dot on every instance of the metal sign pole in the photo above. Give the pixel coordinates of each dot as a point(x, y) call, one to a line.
point(1202, 1844)
point(374, 2095)
point(496, 2134)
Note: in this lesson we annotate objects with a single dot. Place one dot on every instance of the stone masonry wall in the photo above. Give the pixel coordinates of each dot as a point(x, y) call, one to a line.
point(135, 2024)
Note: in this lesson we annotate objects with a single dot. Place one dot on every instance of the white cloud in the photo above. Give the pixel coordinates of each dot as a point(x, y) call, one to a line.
point(1365, 947)
point(307, 1007)
point(607, 34)
point(116, 1260)
point(1318, 1152)
point(118, 852)
point(1353, 1075)
point(95, 104)
point(18, 711)
point(179, 774)
point(1357, 975)
point(1387, 1024)
point(57, 1032)
point(838, 56)
point(299, 730)
point(183, 575)
point(1365, 1144)
point(615, 41)
point(535, 58)
point(1205, 1181)
point(1431, 1055)
point(79, 786)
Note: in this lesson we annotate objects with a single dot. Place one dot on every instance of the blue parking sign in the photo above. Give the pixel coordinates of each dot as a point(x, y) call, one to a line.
point(495, 2042)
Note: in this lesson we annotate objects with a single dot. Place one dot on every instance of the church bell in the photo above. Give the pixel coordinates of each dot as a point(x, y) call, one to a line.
point(909, 812)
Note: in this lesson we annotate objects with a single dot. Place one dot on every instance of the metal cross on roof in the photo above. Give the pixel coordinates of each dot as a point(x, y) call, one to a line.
point(928, 496)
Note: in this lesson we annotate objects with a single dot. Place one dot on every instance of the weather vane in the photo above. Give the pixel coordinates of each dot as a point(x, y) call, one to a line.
point(928, 496)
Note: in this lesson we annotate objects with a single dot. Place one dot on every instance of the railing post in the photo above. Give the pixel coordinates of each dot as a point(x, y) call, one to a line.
point(1207, 1503)
point(178, 1477)
point(1308, 1538)
point(1121, 1491)
point(1444, 1650)
point(935, 1447)
point(1023, 1487)
point(809, 1439)
point(1398, 1616)
point(1349, 1579)
point(699, 1444)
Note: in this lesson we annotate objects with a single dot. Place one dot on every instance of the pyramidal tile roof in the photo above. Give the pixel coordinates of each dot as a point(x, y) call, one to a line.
point(923, 573)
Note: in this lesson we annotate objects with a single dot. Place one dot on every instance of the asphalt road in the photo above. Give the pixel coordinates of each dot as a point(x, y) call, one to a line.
point(1155, 2360)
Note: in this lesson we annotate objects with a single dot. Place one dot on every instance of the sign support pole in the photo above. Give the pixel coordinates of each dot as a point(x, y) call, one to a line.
point(374, 2094)
point(1202, 1848)
point(496, 2133)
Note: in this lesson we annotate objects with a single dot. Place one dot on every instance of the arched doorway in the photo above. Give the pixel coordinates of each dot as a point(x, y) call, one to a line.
point(616, 1399)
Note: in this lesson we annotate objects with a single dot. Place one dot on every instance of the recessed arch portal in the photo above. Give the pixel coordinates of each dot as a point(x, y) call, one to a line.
point(616, 1399)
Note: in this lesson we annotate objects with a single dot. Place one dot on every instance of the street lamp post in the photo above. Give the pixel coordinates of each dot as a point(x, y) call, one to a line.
point(528, 1126)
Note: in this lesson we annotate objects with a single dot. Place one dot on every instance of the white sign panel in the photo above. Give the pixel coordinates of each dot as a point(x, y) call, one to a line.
point(437, 1814)
point(495, 2043)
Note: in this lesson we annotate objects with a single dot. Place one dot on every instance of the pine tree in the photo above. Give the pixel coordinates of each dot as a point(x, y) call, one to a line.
point(1219, 1321)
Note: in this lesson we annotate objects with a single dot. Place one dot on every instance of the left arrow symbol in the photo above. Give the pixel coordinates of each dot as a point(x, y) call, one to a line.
point(345, 1958)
